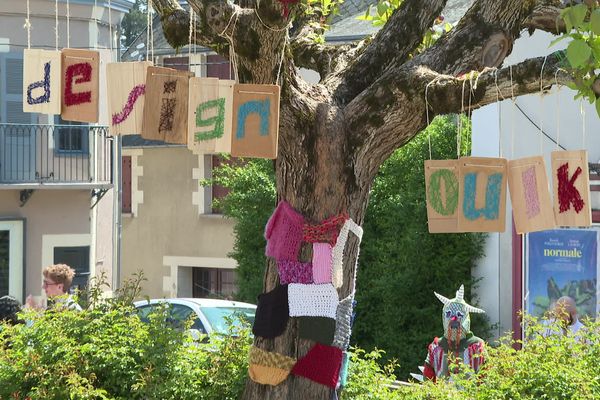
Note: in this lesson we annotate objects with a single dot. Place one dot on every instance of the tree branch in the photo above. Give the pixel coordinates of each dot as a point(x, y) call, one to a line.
point(392, 111)
point(399, 37)
point(546, 17)
point(323, 58)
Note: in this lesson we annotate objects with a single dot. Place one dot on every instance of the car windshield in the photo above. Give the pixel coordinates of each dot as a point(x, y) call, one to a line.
point(217, 316)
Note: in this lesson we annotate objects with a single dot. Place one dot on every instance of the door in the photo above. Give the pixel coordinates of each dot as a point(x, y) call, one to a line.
point(78, 258)
point(11, 259)
point(17, 135)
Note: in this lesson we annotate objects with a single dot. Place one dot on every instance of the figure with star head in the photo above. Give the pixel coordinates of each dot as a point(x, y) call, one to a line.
point(458, 344)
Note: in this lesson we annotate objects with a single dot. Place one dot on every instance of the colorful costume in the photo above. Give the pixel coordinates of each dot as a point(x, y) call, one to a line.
point(458, 339)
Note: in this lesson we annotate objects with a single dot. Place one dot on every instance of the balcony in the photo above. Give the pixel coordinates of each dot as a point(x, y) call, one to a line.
point(55, 156)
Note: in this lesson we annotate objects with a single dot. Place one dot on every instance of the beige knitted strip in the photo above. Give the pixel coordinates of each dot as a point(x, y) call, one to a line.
point(270, 359)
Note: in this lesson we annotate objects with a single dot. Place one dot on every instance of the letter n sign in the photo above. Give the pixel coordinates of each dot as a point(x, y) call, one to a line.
point(571, 181)
point(441, 187)
point(482, 195)
point(80, 80)
point(255, 121)
point(530, 195)
point(41, 81)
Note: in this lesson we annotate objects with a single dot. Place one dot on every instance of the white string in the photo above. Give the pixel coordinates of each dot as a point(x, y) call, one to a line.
point(95, 16)
point(150, 8)
point(542, 107)
point(498, 94)
point(69, 25)
point(56, 22)
point(232, 55)
point(110, 31)
point(190, 39)
point(147, 31)
point(269, 27)
point(582, 110)
point(462, 110)
point(557, 110)
point(28, 27)
point(512, 128)
point(282, 57)
point(427, 114)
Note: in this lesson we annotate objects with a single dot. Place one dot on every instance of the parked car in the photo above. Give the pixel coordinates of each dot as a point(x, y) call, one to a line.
point(209, 315)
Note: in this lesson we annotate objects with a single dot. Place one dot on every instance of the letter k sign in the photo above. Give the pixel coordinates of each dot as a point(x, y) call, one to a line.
point(567, 192)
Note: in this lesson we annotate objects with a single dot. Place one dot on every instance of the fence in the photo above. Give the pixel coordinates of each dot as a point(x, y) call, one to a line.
point(61, 154)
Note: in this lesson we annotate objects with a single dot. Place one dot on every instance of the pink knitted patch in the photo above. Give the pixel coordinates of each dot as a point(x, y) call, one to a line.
point(321, 364)
point(322, 262)
point(294, 272)
point(284, 233)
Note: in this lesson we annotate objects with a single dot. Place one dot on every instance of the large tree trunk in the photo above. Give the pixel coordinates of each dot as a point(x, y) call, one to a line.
point(370, 101)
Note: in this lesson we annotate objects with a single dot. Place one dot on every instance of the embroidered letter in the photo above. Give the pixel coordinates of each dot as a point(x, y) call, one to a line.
point(262, 108)
point(167, 115)
point(84, 71)
point(217, 122)
point(492, 197)
point(135, 94)
point(450, 190)
point(567, 192)
point(45, 83)
point(532, 201)
point(169, 87)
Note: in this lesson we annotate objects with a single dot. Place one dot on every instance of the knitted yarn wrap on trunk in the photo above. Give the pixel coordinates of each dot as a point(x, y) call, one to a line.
point(322, 262)
point(321, 364)
point(270, 359)
point(294, 272)
point(312, 300)
point(325, 232)
point(343, 323)
point(284, 233)
point(338, 252)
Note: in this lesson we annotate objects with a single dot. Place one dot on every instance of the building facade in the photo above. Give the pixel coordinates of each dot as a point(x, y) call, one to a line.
point(56, 177)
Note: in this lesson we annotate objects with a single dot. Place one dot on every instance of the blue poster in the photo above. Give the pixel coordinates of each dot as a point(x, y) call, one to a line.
point(562, 263)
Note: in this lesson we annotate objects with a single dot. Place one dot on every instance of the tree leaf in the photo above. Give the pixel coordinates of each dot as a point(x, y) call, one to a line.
point(595, 21)
point(558, 39)
point(578, 14)
point(598, 106)
point(578, 53)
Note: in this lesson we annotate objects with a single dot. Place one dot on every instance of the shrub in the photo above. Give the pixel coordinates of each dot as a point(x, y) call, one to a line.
point(107, 352)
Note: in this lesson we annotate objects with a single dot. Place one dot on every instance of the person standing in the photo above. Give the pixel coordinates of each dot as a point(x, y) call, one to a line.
point(57, 282)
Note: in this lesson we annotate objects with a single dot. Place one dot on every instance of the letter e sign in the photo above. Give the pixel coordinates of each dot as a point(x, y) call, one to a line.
point(80, 76)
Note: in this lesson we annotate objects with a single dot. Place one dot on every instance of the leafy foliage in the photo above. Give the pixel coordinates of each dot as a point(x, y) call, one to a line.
point(107, 352)
point(400, 261)
point(134, 22)
point(583, 51)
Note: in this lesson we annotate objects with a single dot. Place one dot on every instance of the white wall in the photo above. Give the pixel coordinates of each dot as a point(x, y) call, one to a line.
point(503, 130)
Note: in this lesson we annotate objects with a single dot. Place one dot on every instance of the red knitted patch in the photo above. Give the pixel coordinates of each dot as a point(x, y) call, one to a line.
point(325, 232)
point(286, 6)
point(567, 192)
point(83, 72)
point(321, 364)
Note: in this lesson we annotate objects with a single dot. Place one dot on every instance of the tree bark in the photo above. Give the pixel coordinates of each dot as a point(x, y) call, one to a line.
point(371, 100)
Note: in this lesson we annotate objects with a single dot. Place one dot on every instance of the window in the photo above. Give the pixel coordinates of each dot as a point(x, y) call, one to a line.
point(77, 258)
point(4, 259)
point(213, 282)
point(71, 137)
point(126, 185)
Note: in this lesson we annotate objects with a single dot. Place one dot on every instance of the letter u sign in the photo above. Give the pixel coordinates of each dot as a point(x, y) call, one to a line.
point(482, 194)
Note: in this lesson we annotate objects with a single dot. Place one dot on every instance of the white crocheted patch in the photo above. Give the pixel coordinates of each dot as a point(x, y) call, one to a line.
point(312, 300)
point(338, 251)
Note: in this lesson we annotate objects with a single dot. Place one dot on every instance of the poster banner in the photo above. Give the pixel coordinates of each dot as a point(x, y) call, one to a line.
point(562, 263)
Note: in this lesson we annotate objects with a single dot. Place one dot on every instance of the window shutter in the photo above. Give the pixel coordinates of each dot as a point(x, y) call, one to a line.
point(126, 182)
point(14, 76)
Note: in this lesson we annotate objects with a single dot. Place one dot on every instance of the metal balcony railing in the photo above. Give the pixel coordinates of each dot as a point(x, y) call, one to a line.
point(55, 154)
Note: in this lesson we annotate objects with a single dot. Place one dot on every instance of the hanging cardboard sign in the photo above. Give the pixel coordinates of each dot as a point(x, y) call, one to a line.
point(80, 76)
point(126, 91)
point(209, 116)
point(530, 195)
point(166, 105)
point(41, 81)
point(482, 194)
point(571, 188)
point(441, 188)
point(255, 121)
